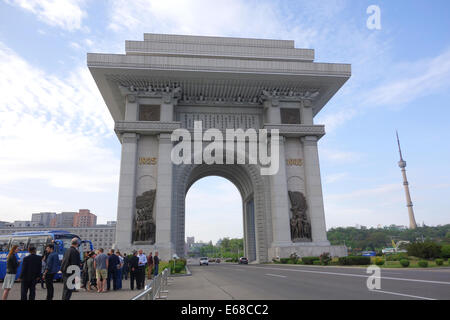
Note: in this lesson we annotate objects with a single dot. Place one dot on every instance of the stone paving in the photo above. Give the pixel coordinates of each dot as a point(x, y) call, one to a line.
point(124, 294)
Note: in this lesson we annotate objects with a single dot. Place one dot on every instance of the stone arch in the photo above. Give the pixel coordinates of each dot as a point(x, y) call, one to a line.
point(250, 184)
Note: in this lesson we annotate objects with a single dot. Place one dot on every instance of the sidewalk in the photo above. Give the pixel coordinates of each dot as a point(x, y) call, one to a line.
point(196, 287)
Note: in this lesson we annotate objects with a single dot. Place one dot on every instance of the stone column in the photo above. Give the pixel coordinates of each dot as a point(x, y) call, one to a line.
point(167, 107)
point(280, 202)
point(127, 191)
point(272, 111)
point(163, 206)
point(131, 108)
point(314, 190)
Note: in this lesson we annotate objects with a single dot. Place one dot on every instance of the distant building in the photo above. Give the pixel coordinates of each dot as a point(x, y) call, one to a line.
point(111, 223)
point(22, 224)
point(43, 218)
point(190, 241)
point(5, 224)
point(84, 218)
point(64, 219)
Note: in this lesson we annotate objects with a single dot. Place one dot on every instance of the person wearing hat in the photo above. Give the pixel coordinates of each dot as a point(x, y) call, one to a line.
point(71, 258)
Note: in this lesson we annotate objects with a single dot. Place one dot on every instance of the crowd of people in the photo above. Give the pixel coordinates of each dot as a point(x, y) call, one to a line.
point(97, 269)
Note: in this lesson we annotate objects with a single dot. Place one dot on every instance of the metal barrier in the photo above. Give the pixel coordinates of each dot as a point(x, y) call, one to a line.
point(155, 288)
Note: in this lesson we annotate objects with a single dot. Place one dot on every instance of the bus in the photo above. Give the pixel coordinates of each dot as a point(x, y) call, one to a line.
point(38, 239)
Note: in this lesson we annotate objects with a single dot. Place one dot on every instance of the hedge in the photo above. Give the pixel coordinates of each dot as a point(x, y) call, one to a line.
point(423, 263)
point(404, 263)
point(379, 261)
point(354, 260)
point(439, 262)
point(310, 260)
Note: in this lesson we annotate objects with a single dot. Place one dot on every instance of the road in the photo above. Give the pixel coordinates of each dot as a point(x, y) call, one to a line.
point(273, 282)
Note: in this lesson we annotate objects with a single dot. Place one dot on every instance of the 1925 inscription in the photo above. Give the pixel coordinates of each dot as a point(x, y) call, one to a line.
point(148, 161)
point(294, 162)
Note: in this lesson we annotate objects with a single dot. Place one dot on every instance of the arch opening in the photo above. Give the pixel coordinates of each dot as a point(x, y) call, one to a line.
point(214, 210)
point(252, 202)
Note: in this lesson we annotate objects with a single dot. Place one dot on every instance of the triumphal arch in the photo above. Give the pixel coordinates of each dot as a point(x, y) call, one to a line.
point(172, 90)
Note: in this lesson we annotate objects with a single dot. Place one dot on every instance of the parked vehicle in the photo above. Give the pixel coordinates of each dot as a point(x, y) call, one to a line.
point(243, 260)
point(38, 239)
point(204, 260)
point(217, 260)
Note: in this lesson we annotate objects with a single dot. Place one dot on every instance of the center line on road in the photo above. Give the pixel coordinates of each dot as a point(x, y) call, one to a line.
point(275, 275)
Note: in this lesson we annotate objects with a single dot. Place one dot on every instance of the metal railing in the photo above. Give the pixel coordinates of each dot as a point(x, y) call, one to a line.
point(156, 289)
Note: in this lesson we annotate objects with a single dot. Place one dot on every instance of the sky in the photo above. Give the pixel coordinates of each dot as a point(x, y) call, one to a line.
point(58, 151)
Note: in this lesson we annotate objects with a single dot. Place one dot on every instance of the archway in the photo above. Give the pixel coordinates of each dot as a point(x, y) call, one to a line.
point(250, 184)
point(214, 211)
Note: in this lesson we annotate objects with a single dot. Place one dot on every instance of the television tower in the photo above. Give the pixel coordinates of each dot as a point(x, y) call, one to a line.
point(409, 204)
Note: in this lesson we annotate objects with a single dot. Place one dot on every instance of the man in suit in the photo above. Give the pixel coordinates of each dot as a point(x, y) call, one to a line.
point(113, 263)
point(71, 258)
point(30, 275)
point(133, 264)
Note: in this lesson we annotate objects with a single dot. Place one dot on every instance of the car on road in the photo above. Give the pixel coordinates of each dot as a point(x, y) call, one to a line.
point(243, 260)
point(204, 260)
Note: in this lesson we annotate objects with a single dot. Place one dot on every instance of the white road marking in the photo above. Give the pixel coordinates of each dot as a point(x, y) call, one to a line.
point(402, 294)
point(353, 275)
point(275, 275)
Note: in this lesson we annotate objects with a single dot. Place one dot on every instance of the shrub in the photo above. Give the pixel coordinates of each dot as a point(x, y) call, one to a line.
point(309, 260)
point(404, 263)
point(439, 262)
point(379, 261)
point(293, 258)
point(423, 263)
point(284, 260)
point(325, 258)
point(424, 250)
point(445, 251)
point(177, 265)
point(354, 260)
point(317, 262)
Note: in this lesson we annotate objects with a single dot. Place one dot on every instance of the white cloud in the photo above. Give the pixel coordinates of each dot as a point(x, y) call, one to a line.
point(66, 14)
point(418, 79)
point(53, 129)
point(372, 192)
point(402, 83)
point(260, 19)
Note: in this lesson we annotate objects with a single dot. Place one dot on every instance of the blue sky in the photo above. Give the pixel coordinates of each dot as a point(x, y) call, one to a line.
point(58, 151)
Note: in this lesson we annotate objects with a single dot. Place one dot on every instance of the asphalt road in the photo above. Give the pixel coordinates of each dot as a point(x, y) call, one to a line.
point(272, 282)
